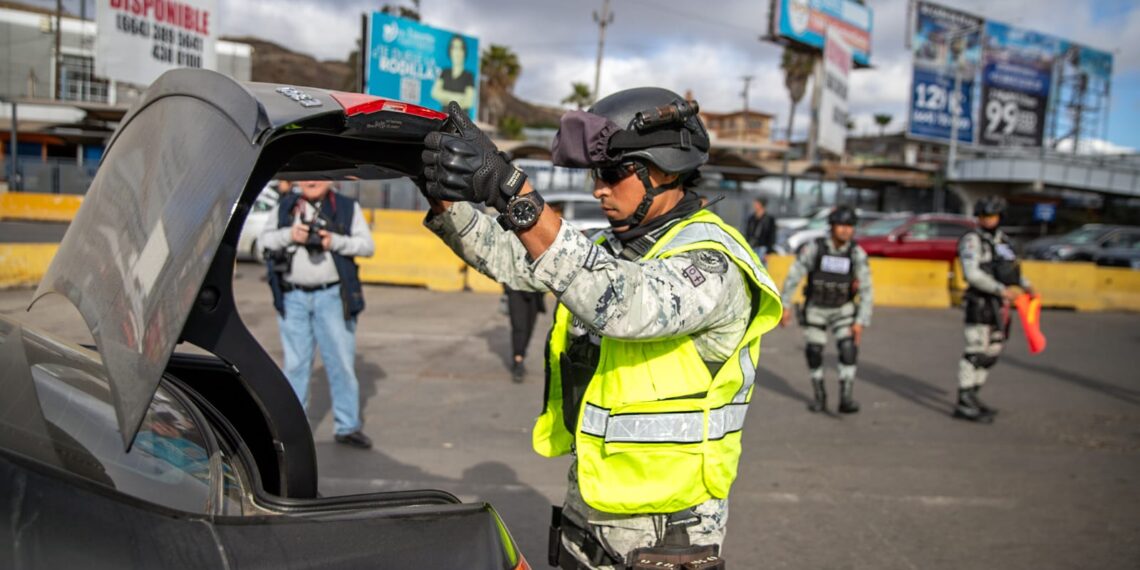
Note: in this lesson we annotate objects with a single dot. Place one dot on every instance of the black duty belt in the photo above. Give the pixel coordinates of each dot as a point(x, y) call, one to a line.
point(286, 287)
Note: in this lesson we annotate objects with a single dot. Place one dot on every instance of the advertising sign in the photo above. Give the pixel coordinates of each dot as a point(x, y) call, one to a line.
point(947, 50)
point(837, 64)
point(808, 21)
point(137, 41)
point(419, 64)
point(1016, 81)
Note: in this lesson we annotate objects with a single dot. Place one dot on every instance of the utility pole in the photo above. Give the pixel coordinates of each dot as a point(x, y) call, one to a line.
point(605, 19)
point(747, 79)
point(58, 53)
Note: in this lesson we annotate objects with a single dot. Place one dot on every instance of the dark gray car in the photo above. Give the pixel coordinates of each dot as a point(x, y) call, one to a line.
point(127, 454)
point(1082, 244)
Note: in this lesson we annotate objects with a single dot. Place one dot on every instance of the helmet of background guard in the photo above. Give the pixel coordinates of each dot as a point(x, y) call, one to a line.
point(622, 107)
point(842, 216)
point(990, 206)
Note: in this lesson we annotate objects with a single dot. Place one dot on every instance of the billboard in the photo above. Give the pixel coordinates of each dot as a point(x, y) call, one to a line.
point(808, 21)
point(837, 62)
point(1016, 81)
point(947, 48)
point(137, 41)
point(419, 64)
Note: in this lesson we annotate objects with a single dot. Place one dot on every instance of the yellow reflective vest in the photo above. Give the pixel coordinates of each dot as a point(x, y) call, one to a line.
point(641, 454)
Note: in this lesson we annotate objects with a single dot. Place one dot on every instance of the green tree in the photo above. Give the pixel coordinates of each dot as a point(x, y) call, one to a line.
point(883, 119)
point(403, 11)
point(500, 69)
point(511, 127)
point(579, 96)
point(797, 67)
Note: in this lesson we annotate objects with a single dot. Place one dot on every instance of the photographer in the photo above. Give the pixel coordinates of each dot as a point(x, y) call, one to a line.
point(317, 293)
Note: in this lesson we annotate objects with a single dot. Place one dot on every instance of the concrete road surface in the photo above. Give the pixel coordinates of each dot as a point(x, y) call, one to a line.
point(1054, 483)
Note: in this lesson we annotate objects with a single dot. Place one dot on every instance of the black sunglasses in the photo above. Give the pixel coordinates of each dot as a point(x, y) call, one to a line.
point(613, 174)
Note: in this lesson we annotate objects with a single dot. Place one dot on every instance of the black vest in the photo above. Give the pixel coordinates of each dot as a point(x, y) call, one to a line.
point(831, 282)
point(339, 209)
point(1002, 262)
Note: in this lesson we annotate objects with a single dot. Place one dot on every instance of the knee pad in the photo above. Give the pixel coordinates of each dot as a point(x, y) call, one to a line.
point(814, 353)
point(848, 352)
point(980, 361)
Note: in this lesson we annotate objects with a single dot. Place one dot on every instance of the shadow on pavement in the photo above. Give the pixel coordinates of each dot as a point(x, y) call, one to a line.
point(320, 401)
point(525, 511)
point(909, 388)
point(1111, 390)
point(777, 384)
point(499, 343)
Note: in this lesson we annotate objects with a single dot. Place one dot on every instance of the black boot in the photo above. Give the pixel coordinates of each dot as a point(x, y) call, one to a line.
point(819, 404)
point(518, 372)
point(846, 404)
point(968, 408)
point(982, 405)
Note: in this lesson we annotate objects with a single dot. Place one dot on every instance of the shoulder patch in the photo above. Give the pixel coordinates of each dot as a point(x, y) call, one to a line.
point(710, 260)
point(694, 275)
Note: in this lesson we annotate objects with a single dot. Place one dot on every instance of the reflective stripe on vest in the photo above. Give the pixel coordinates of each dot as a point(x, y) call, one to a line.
point(707, 231)
point(672, 427)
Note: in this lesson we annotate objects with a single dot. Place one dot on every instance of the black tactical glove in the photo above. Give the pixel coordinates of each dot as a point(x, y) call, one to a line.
point(462, 165)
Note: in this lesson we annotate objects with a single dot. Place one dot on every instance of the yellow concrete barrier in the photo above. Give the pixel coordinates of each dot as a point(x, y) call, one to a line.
point(1118, 288)
point(24, 264)
point(408, 254)
point(1064, 284)
point(778, 267)
point(910, 282)
point(39, 207)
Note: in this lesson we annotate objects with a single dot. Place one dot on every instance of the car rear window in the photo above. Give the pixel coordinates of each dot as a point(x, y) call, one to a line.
point(883, 227)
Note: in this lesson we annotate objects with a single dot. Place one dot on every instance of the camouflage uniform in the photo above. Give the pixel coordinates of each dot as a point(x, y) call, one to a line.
point(817, 320)
point(698, 293)
point(985, 334)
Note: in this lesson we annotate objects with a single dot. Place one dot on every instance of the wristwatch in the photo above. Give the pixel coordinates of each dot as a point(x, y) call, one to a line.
point(522, 211)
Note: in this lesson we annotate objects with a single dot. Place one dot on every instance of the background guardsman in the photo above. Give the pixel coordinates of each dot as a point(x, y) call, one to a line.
point(993, 276)
point(656, 337)
point(838, 274)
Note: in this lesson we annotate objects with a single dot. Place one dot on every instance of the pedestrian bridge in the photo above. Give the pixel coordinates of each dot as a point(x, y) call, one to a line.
point(1116, 175)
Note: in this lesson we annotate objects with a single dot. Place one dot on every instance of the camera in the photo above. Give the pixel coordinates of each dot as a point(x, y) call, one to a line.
point(313, 241)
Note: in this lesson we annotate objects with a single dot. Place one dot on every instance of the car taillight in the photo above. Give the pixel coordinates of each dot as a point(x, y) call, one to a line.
point(522, 563)
point(360, 103)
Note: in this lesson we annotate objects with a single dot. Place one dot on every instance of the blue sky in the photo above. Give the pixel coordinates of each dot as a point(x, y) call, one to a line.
point(704, 47)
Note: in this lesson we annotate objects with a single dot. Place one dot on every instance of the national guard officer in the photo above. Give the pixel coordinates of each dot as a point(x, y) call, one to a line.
point(837, 273)
point(653, 351)
point(993, 276)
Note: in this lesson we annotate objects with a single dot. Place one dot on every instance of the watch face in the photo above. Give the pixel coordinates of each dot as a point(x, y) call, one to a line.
point(524, 213)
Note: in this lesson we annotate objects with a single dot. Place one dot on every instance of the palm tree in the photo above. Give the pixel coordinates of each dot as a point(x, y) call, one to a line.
point(403, 11)
point(883, 119)
point(797, 66)
point(500, 69)
point(579, 96)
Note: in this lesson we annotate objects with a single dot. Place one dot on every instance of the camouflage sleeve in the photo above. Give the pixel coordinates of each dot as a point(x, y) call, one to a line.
point(970, 252)
point(866, 292)
point(799, 269)
point(683, 294)
point(479, 240)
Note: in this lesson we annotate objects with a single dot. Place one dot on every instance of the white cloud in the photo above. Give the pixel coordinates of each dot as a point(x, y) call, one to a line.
point(1094, 146)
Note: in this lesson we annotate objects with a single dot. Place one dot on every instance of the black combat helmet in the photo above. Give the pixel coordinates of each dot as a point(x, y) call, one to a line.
point(842, 216)
point(990, 206)
point(623, 109)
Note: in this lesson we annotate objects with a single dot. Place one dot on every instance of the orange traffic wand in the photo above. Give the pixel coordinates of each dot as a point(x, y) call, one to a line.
point(1029, 310)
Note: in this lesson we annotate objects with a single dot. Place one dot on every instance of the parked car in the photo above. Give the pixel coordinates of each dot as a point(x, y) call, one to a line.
point(262, 216)
point(819, 227)
point(1120, 256)
point(925, 236)
point(1083, 243)
point(127, 454)
point(580, 209)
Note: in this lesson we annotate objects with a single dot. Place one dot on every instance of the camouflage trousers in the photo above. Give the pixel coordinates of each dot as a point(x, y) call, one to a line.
point(838, 320)
point(621, 534)
point(981, 340)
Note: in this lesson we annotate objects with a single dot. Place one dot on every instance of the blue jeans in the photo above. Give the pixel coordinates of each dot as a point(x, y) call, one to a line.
point(318, 317)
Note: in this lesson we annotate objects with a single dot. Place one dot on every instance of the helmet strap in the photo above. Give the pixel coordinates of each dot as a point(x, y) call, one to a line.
point(651, 192)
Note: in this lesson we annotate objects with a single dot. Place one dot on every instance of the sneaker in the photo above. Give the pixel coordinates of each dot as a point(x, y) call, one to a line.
point(355, 439)
point(518, 372)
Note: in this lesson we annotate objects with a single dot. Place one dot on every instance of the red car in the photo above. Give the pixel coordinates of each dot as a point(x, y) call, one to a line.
point(926, 236)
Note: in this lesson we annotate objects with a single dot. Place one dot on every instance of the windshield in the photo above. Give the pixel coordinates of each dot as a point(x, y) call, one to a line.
point(882, 227)
point(1082, 236)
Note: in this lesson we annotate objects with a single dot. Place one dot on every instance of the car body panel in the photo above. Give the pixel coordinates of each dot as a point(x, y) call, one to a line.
point(262, 216)
point(1086, 243)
